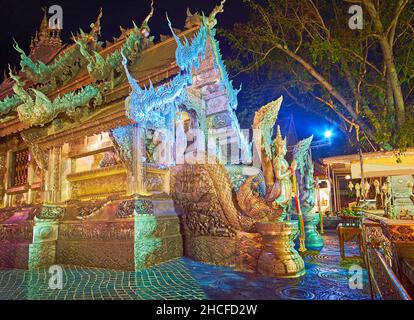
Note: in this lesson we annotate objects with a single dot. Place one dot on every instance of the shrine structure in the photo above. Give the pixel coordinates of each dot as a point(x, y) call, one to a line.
point(127, 154)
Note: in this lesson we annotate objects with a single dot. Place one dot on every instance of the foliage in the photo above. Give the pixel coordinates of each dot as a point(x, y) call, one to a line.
point(363, 80)
point(350, 212)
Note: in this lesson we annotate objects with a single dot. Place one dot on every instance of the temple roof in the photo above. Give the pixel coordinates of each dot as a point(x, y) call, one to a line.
point(156, 62)
point(129, 80)
point(45, 46)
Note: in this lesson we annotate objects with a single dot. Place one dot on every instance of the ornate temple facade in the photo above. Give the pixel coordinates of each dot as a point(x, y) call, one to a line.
point(126, 154)
point(88, 127)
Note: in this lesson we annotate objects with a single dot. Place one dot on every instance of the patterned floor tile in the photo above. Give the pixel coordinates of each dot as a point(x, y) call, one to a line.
point(326, 278)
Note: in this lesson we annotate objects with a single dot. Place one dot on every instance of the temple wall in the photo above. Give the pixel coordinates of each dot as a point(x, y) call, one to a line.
point(240, 252)
point(17, 207)
point(91, 169)
point(170, 241)
point(14, 254)
point(96, 244)
point(3, 173)
point(109, 238)
point(14, 245)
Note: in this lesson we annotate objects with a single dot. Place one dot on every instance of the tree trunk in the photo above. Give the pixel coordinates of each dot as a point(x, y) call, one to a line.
point(327, 86)
point(393, 79)
point(387, 52)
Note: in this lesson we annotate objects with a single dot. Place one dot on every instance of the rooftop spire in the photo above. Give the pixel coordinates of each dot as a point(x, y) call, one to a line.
point(46, 42)
point(44, 26)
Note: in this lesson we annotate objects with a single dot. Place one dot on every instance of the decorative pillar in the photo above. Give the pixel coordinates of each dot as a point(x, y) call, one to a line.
point(313, 239)
point(3, 170)
point(8, 199)
point(65, 168)
point(42, 251)
point(53, 176)
point(138, 154)
point(145, 244)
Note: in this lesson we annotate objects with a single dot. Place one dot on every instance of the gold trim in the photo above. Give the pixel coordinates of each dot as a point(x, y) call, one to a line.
point(82, 154)
point(97, 173)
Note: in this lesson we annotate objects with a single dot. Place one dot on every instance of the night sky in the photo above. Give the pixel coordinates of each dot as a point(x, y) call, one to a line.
point(21, 19)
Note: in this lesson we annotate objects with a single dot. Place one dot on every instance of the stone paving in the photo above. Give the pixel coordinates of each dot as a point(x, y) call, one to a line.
point(326, 278)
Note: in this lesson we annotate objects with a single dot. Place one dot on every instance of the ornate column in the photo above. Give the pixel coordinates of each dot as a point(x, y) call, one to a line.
point(3, 170)
point(313, 240)
point(145, 244)
point(30, 175)
point(138, 155)
point(53, 176)
point(157, 233)
point(42, 251)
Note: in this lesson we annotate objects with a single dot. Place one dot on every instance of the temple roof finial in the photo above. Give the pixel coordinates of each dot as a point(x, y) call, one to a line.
point(145, 29)
point(211, 20)
point(44, 25)
point(96, 26)
point(46, 41)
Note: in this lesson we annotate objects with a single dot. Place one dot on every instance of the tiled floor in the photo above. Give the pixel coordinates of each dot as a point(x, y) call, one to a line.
point(326, 278)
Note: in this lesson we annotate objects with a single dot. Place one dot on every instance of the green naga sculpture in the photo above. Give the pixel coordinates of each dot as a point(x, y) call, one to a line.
point(50, 76)
point(66, 66)
point(110, 67)
point(21, 94)
point(304, 173)
point(38, 109)
point(8, 104)
point(63, 69)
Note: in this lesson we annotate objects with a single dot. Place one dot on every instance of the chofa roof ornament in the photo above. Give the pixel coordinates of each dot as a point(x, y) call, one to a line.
point(145, 29)
point(96, 26)
point(211, 21)
point(151, 106)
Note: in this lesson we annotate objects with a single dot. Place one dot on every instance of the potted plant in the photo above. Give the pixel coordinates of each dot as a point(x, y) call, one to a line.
point(351, 216)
